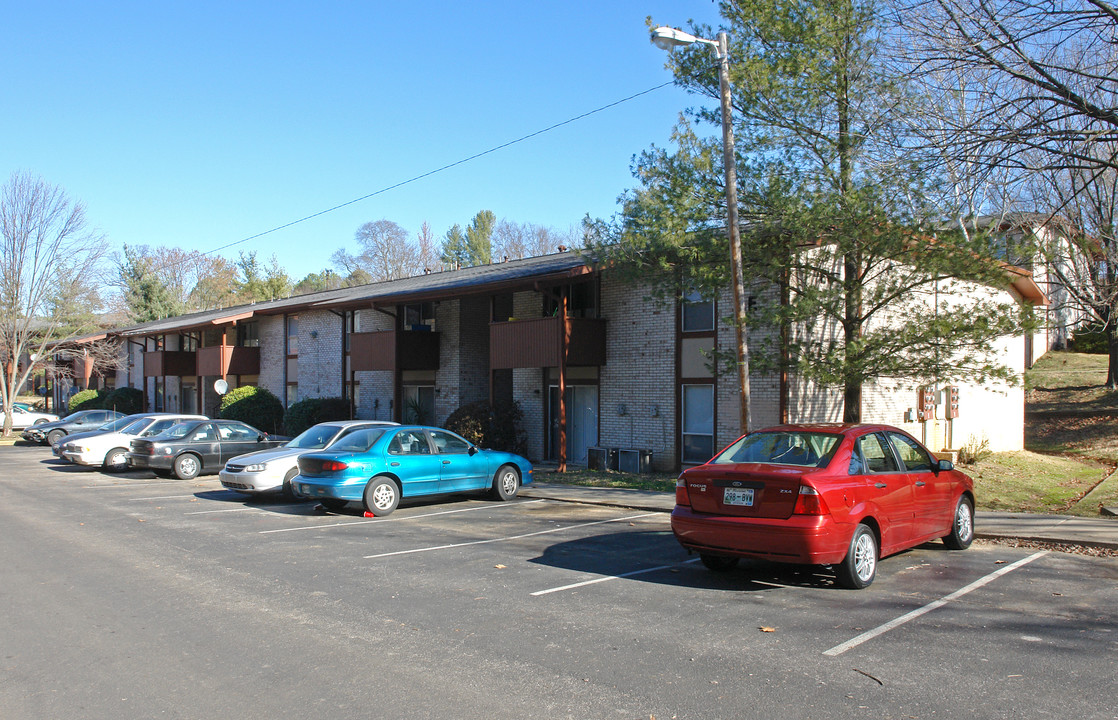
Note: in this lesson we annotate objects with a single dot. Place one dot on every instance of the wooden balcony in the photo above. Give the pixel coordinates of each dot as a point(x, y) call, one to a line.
point(173, 363)
point(222, 360)
point(394, 350)
point(538, 343)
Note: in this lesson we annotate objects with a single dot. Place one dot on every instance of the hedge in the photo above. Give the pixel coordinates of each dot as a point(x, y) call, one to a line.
point(495, 426)
point(255, 406)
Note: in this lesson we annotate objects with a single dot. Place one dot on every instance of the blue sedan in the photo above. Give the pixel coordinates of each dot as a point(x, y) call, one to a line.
point(379, 466)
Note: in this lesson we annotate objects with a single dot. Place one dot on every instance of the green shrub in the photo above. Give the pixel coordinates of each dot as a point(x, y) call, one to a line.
point(87, 400)
point(1090, 338)
point(255, 406)
point(497, 426)
point(312, 411)
point(127, 400)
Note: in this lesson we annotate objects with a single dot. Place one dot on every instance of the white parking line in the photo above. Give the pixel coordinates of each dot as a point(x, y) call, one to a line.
point(163, 497)
point(503, 539)
point(881, 629)
point(211, 512)
point(116, 486)
point(607, 578)
point(399, 518)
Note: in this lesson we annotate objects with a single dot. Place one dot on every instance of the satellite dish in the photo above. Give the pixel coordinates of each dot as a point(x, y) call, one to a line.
point(221, 387)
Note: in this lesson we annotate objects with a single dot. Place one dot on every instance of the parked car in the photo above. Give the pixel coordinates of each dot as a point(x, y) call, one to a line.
point(379, 466)
point(840, 495)
point(189, 449)
point(51, 433)
point(24, 417)
point(266, 471)
point(108, 446)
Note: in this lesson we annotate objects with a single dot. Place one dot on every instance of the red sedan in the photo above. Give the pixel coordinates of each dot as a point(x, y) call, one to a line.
point(841, 495)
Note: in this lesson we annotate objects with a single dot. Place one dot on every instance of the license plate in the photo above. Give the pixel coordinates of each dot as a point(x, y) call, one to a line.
point(738, 496)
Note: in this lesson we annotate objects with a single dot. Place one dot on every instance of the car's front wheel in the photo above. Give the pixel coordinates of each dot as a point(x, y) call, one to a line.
point(962, 527)
point(288, 492)
point(187, 466)
point(55, 436)
point(506, 483)
point(859, 567)
point(381, 497)
point(116, 460)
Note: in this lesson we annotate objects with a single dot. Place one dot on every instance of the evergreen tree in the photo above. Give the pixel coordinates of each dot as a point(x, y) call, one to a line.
point(455, 250)
point(838, 230)
point(146, 294)
point(479, 234)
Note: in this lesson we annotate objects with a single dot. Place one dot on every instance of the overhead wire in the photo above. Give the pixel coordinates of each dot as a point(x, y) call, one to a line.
point(443, 168)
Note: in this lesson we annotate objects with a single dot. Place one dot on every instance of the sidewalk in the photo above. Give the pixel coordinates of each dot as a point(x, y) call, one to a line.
point(1089, 532)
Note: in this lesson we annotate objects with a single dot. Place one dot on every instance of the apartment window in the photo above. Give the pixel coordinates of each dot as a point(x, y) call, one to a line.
point(292, 351)
point(418, 316)
point(248, 334)
point(582, 300)
point(698, 423)
point(696, 314)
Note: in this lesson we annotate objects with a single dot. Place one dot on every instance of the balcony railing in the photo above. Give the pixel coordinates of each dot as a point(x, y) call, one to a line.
point(394, 350)
point(174, 363)
point(222, 360)
point(538, 342)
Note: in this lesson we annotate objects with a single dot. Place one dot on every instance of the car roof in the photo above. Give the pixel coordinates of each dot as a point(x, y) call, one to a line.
point(349, 423)
point(832, 428)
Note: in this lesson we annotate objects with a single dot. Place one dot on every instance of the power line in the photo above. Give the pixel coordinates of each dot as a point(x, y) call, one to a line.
point(448, 166)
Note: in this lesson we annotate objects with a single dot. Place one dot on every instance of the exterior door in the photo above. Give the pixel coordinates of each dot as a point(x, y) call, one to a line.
point(582, 421)
point(888, 486)
point(931, 492)
point(410, 457)
point(459, 469)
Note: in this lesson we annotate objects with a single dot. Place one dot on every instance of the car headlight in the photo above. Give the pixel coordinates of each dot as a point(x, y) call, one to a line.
point(258, 467)
point(168, 451)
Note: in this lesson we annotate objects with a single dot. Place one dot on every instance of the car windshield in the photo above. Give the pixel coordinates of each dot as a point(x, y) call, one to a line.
point(807, 449)
point(180, 430)
point(314, 438)
point(359, 441)
point(117, 425)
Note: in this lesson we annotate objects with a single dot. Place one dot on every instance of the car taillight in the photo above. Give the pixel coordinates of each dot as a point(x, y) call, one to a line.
point(333, 465)
point(681, 495)
point(810, 502)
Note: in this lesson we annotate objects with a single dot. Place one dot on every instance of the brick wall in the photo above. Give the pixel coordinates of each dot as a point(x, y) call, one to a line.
point(320, 355)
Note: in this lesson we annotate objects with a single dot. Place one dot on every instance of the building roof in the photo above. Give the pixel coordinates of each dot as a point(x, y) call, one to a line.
point(511, 275)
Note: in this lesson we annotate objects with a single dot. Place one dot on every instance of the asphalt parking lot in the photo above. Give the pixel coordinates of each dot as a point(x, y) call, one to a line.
point(130, 596)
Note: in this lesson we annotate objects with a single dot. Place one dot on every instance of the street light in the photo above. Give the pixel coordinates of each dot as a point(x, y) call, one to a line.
point(668, 38)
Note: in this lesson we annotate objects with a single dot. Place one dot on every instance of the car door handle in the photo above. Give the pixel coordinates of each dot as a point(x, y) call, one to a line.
point(446, 462)
point(919, 483)
point(879, 485)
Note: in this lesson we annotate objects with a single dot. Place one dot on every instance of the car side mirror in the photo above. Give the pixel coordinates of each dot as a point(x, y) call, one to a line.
point(944, 465)
point(260, 438)
point(473, 450)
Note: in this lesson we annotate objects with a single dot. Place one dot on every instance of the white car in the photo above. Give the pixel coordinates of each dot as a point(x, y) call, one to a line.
point(108, 446)
point(23, 419)
point(271, 470)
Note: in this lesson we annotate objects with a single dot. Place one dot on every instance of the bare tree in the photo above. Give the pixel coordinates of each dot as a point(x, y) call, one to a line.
point(515, 241)
point(1040, 78)
point(50, 265)
point(428, 250)
point(386, 253)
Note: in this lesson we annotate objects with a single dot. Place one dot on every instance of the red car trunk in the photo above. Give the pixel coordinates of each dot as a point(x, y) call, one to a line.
point(746, 490)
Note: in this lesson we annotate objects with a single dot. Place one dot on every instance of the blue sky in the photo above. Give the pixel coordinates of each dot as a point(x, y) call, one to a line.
point(200, 124)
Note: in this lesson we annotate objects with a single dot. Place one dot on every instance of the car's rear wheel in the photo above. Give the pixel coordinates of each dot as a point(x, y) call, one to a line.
point(116, 460)
point(859, 567)
point(718, 563)
point(333, 504)
point(506, 483)
point(962, 527)
point(382, 495)
point(55, 436)
point(187, 466)
point(289, 492)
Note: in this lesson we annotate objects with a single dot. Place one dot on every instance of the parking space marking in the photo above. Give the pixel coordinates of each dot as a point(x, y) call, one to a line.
point(212, 512)
point(115, 486)
point(881, 629)
point(509, 537)
point(162, 497)
point(607, 578)
point(400, 518)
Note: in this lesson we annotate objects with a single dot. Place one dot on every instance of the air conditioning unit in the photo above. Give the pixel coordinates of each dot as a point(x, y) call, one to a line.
point(600, 458)
point(634, 461)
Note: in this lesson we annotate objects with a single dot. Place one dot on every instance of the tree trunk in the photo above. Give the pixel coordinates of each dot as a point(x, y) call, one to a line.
point(1112, 365)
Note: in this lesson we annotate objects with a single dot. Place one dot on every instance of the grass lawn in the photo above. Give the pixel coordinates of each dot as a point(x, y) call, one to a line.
point(1071, 440)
